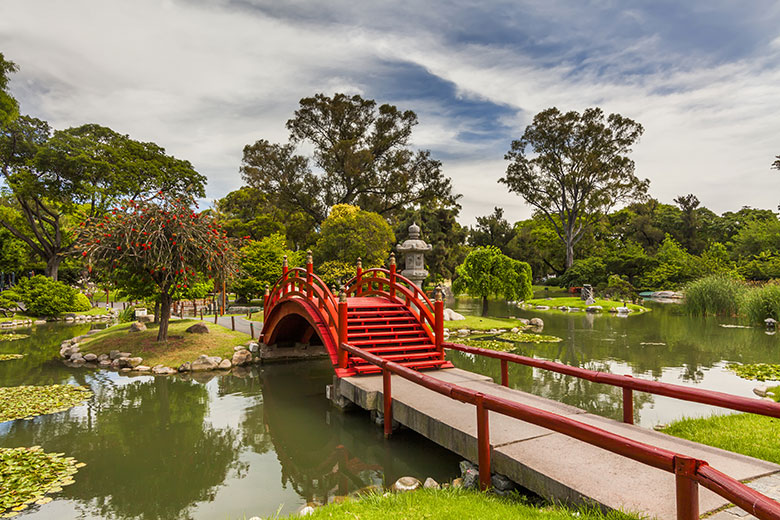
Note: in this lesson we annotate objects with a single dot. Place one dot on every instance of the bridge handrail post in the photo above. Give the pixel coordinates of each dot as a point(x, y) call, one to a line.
point(504, 373)
point(483, 442)
point(285, 269)
point(387, 397)
point(309, 272)
point(628, 404)
point(359, 277)
point(439, 319)
point(342, 328)
point(392, 276)
point(266, 299)
point(686, 488)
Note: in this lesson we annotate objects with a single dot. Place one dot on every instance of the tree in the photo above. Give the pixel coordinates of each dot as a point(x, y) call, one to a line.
point(361, 154)
point(261, 264)
point(690, 222)
point(776, 164)
point(9, 108)
point(574, 168)
point(13, 252)
point(163, 243)
point(492, 230)
point(350, 233)
point(487, 272)
point(56, 179)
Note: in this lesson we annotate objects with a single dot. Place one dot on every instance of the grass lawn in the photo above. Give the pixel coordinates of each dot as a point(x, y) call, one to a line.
point(480, 323)
point(576, 301)
point(745, 433)
point(453, 504)
point(552, 292)
point(94, 311)
point(180, 347)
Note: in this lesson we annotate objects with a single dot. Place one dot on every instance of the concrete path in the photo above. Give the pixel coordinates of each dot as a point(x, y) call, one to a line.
point(551, 464)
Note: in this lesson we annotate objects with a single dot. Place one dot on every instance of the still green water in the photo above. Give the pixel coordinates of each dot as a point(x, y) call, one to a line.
point(661, 345)
point(231, 447)
point(219, 448)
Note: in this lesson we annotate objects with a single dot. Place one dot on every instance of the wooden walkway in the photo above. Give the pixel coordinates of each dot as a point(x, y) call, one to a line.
point(550, 464)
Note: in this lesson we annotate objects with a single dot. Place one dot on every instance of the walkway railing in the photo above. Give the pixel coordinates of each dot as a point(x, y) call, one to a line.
point(689, 472)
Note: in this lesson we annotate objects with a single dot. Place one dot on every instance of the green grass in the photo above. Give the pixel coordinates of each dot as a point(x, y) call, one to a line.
point(480, 323)
point(745, 433)
point(180, 347)
point(576, 301)
point(452, 504)
point(552, 292)
point(94, 311)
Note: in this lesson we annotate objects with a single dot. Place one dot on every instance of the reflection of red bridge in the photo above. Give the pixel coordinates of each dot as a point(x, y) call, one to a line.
point(377, 311)
point(382, 323)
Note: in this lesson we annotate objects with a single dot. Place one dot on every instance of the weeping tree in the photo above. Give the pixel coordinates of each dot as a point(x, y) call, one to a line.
point(488, 272)
point(162, 243)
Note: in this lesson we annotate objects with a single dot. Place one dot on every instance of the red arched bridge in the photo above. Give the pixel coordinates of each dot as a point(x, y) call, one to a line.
point(380, 324)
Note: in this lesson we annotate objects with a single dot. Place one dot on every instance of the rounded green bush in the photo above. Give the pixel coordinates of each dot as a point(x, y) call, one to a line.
point(42, 296)
point(80, 303)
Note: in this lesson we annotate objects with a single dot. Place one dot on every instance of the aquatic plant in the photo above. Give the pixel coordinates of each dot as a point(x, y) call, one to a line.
point(757, 371)
point(9, 357)
point(12, 336)
point(25, 402)
point(490, 344)
point(717, 294)
point(28, 474)
point(524, 337)
point(761, 303)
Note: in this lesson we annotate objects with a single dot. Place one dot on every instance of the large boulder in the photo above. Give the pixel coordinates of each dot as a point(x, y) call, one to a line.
point(450, 315)
point(90, 357)
point(162, 370)
point(204, 363)
point(225, 364)
point(406, 484)
point(198, 328)
point(241, 357)
point(137, 327)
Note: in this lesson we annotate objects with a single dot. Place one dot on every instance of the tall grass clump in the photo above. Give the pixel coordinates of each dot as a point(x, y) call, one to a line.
point(717, 294)
point(761, 303)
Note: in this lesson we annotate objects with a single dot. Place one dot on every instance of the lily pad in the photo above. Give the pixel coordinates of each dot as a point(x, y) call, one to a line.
point(757, 371)
point(11, 336)
point(490, 344)
point(8, 357)
point(28, 474)
point(525, 337)
point(25, 402)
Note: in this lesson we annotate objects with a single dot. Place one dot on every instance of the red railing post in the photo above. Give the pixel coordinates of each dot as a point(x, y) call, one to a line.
point(387, 395)
point(628, 405)
point(504, 373)
point(687, 489)
point(359, 277)
point(309, 272)
point(438, 331)
point(483, 443)
point(342, 328)
point(266, 299)
point(392, 275)
point(285, 268)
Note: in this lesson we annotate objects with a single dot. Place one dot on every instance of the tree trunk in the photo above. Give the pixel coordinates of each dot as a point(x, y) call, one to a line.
point(569, 253)
point(157, 312)
point(484, 306)
point(53, 266)
point(165, 316)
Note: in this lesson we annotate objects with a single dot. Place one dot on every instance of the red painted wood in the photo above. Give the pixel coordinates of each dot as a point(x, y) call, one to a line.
point(387, 395)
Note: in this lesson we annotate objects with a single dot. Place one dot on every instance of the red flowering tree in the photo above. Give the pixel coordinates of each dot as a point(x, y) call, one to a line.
point(163, 243)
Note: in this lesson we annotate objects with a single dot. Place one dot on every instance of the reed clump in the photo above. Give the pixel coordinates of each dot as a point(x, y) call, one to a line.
point(761, 303)
point(716, 295)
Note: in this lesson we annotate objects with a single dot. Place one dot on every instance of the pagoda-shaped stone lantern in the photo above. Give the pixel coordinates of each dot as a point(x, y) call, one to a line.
point(414, 250)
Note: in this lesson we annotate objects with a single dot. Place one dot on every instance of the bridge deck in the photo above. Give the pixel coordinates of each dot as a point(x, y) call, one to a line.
point(551, 464)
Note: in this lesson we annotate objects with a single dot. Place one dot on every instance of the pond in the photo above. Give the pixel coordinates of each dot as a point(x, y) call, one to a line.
point(230, 447)
point(661, 345)
point(220, 448)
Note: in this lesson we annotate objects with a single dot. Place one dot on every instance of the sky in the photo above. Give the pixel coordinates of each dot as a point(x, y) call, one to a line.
point(204, 78)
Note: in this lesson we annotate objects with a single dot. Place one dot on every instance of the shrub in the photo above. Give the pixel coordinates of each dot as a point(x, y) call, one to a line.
point(127, 315)
point(42, 296)
point(762, 303)
point(585, 271)
point(80, 303)
point(335, 272)
point(618, 288)
point(717, 294)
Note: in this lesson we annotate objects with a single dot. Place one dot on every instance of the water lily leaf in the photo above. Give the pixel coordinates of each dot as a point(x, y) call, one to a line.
point(24, 402)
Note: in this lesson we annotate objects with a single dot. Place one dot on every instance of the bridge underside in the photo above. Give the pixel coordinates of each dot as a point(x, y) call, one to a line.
point(294, 330)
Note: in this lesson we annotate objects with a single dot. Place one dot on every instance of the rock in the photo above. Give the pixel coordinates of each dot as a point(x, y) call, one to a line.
point(113, 354)
point(660, 427)
point(760, 391)
point(457, 483)
point(137, 326)
point(431, 484)
point(104, 363)
point(542, 308)
point(149, 318)
point(90, 357)
point(76, 356)
point(239, 347)
point(225, 364)
point(306, 510)
point(124, 362)
point(594, 308)
point(115, 364)
point(536, 322)
point(142, 368)
point(103, 357)
point(590, 301)
point(622, 310)
point(450, 315)
point(463, 333)
point(185, 367)
point(254, 346)
point(471, 479)
point(125, 354)
point(135, 361)
point(501, 482)
point(39, 322)
point(203, 363)
point(406, 484)
point(74, 348)
point(162, 370)
point(198, 328)
point(125, 369)
point(241, 358)
point(515, 330)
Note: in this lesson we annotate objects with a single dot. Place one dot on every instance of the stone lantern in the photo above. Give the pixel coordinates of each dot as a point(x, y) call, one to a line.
point(414, 250)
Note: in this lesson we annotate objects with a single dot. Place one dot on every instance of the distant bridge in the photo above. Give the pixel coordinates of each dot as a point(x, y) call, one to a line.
point(380, 325)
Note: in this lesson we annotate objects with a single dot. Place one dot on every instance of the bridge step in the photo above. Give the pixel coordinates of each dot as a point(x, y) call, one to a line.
point(385, 332)
point(379, 350)
point(421, 356)
point(394, 341)
point(382, 320)
point(417, 365)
